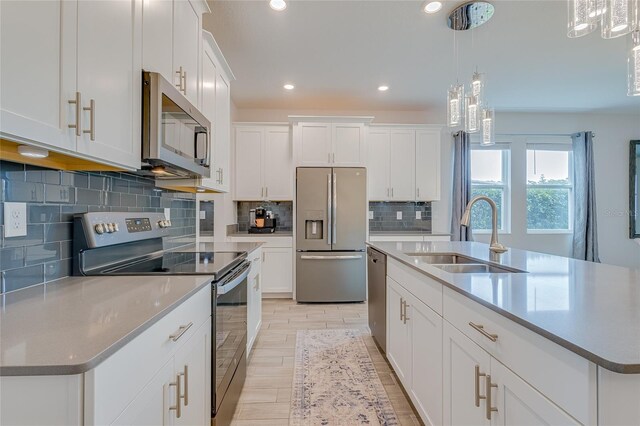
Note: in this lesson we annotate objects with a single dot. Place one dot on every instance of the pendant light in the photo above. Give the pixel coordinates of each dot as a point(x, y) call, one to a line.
point(478, 87)
point(488, 127)
point(598, 8)
point(472, 114)
point(455, 99)
point(619, 18)
point(580, 21)
point(633, 64)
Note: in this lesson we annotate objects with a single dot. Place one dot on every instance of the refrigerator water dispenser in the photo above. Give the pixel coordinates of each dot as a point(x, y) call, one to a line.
point(314, 229)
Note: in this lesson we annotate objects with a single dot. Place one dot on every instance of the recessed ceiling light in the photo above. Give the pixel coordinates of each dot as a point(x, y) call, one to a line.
point(32, 152)
point(383, 88)
point(278, 5)
point(432, 7)
point(289, 86)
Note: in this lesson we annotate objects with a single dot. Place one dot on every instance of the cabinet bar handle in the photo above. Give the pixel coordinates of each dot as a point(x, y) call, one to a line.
point(418, 192)
point(392, 192)
point(186, 385)
point(401, 310)
point(177, 407)
point(78, 103)
point(328, 157)
point(478, 396)
point(480, 329)
point(266, 191)
point(181, 330)
point(184, 78)
point(490, 385)
point(92, 119)
point(406, 318)
point(179, 85)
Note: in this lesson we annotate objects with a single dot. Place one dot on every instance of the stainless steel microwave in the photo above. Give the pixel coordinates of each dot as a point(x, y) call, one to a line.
point(175, 134)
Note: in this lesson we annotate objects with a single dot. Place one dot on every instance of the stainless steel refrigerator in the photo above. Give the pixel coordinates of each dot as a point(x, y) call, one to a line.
point(331, 228)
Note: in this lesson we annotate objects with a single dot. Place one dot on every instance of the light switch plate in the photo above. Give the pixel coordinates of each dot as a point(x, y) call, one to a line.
point(370, 215)
point(399, 215)
point(15, 220)
point(167, 213)
point(418, 215)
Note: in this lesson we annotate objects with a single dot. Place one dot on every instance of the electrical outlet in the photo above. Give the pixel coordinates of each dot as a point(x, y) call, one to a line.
point(399, 215)
point(15, 220)
point(418, 215)
point(370, 215)
point(167, 213)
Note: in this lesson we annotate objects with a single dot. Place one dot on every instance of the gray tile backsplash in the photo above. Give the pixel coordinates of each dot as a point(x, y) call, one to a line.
point(282, 210)
point(54, 196)
point(385, 216)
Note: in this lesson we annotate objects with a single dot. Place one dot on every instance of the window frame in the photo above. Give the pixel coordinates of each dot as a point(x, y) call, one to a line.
point(505, 186)
point(565, 146)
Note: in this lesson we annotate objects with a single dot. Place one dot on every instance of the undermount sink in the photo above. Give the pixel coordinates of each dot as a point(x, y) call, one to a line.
point(458, 264)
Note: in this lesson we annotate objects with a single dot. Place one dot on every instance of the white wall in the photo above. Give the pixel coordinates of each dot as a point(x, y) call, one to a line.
point(611, 150)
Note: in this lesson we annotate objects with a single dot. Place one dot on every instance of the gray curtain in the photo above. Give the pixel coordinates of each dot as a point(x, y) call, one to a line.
point(461, 185)
point(585, 228)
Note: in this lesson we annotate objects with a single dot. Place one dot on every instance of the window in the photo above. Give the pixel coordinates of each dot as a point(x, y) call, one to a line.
point(490, 177)
point(549, 188)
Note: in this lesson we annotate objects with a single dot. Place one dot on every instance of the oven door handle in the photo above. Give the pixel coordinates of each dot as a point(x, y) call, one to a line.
point(227, 287)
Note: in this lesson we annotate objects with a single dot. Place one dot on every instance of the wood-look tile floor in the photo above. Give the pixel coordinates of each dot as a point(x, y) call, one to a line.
point(266, 397)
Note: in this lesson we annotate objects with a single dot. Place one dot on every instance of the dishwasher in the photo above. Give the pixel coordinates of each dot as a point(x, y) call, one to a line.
point(377, 283)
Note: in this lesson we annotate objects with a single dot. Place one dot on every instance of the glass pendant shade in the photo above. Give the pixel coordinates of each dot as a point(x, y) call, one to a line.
point(598, 7)
point(488, 127)
point(478, 87)
point(472, 114)
point(633, 64)
point(619, 18)
point(580, 22)
point(455, 99)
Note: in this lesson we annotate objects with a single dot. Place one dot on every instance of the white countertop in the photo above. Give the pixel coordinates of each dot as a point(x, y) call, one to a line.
point(589, 308)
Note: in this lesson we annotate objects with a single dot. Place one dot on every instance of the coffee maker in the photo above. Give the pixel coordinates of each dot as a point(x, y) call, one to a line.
point(261, 221)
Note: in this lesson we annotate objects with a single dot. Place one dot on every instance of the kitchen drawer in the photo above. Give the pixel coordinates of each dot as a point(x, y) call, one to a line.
point(562, 376)
point(255, 257)
point(427, 290)
point(117, 380)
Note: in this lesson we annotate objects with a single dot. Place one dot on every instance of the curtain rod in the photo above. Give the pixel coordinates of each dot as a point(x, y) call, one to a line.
point(539, 134)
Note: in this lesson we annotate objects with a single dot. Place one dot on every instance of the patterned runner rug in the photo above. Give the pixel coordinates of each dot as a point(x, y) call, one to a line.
point(336, 383)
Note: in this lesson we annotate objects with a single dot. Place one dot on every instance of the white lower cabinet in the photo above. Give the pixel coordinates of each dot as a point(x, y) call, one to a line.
point(254, 298)
point(277, 270)
point(398, 349)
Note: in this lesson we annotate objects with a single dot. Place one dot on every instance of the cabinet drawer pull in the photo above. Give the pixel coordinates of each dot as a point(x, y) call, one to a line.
point(478, 396)
point(480, 329)
point(78, 103)
point(177, 407)
point(401, 310)
point(490, 385)
point(185, 396)
point(92, 119)
point(181, 330)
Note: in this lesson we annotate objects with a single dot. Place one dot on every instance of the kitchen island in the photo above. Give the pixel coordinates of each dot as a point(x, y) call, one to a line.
point(541, 328)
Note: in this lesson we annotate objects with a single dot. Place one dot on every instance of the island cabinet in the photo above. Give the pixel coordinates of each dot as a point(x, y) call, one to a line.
point(462, 363)
point(71, 78)
point(254, 298)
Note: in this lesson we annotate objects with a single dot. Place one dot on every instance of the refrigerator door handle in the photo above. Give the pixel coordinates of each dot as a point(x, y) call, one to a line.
point(334, 206)
point(329, 210)
point(341, 257)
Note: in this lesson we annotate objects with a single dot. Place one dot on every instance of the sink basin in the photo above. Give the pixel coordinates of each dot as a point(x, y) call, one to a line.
point(458, 264)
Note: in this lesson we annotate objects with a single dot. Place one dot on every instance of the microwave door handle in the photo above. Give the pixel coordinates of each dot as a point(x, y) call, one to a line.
point(203, 160)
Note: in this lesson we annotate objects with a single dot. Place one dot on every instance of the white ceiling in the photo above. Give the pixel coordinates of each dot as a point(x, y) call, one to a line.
point(338, 52)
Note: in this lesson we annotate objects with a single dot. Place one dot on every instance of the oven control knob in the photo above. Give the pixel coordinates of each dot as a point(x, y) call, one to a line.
point(116, 228)
point(111, 228)
point(168, 223)
point(162, 223)
point(100, 228)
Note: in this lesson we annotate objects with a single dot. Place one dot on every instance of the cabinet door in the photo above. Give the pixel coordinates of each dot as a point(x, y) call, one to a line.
point(38, 70)
point(193, 367)
point(223, 131)
point(208, 102)
point(427, 165)
point(277, 270)
point(402, 168)
point(186, 45)
point(425, 330)
point(520, 404)
point(254, 311)
point(348, 144)
point(278, 164)
point(248, 161)
point(109, 75)
point(398, 350)
point(151, 405)
point(461, 357)
point(157, 37)
point(378, 164)
point(314, 144)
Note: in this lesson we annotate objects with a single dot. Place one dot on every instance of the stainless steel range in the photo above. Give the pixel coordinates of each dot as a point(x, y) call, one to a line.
point(110, 243)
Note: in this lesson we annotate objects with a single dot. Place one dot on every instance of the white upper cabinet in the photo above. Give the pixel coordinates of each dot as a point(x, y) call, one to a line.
point(157, 37)
point(329, 141)
point(403, 164)
point(427, 165)
point(186, 47)
point(38, 72)
point(109, 79)
point(222, 131)
point(263, 163)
